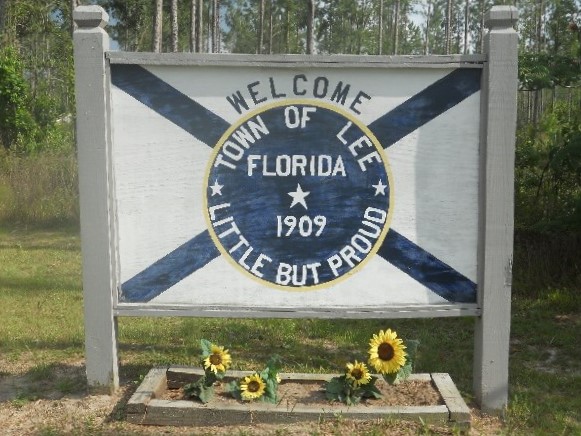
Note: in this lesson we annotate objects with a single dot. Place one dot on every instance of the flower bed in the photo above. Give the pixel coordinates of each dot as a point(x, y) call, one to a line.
point(159, 400)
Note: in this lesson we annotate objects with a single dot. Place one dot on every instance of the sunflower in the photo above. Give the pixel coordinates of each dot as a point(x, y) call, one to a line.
point(387, 353)
point(219, 360)
point(252, 387)
point(357, 373)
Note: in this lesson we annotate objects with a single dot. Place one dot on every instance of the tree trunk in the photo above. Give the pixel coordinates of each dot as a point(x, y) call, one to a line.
point(209, 25)
point(448, 24)
point(481, 26)
point(310, 25)
point(287, 29)
point(193, 7)
point(157, 26)
point(174, 25)
point(466, 18)
point(396, 28)
point(380, 33)
point(270, 26)
point(427, 40)
point(536, 107)
point(540, 26)
point(260, 36)
point(215, 26)
point(200, 26)
point(458, 34)
point(218, 32)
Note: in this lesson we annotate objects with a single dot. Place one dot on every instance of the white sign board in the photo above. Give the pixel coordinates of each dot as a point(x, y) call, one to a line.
point(294, 187)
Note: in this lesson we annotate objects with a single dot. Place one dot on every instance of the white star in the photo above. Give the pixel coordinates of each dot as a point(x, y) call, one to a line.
point(216, 188)
point(379, 188)
point(299, 196)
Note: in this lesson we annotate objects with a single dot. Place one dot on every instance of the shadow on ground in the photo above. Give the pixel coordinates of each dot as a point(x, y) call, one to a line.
point(52, 381)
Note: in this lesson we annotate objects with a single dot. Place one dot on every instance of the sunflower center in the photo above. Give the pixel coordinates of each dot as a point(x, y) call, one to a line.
point(253, 386)
point(215, 359)
point(357, 374)
point(385, 351)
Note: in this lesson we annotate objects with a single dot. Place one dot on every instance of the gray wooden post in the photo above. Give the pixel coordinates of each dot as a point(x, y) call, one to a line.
point(93, 144)
point(499, 93)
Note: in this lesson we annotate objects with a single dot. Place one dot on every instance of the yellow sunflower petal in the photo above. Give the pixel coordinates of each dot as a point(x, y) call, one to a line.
point(357, 373)
point(252, 387)
point(219, 360)
point(386, 352)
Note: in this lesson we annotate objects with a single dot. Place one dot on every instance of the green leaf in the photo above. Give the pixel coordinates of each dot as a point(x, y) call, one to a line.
point(234, 389)
point(210, 378)
point(264, 374)
point(270, 393)
point(354, 397)
point(334, 390)
point(206, 393)
point(370, 390)
point(404, 372)
point(274, 364)
point(231, 387)
point(192, 388)
point(335, 385)
point(340, 389)
point(206, 347)
point(412, 349)
point(397, 377)
point(331, 396)
point(199, 389)
point(390, 378)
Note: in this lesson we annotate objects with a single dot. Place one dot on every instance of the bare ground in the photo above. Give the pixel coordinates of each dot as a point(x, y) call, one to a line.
point(55, 401)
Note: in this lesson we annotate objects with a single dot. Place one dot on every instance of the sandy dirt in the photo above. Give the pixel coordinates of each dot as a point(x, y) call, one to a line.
point(413, 393)
point(29, 406)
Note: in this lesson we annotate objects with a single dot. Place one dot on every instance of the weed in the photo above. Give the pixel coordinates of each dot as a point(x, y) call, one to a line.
point(70, 385)
point(424, 428)
point(23, 398)
point(48, 431)
point(40, 372)
point(39, 189)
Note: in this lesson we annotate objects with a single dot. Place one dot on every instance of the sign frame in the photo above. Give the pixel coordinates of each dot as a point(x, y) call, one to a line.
point(281, 63)
point(99, 231)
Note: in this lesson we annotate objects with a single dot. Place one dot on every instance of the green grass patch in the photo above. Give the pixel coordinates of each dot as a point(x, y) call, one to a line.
point(40, 188)
point(23, 399)
point(42, 330)
point(41, 297)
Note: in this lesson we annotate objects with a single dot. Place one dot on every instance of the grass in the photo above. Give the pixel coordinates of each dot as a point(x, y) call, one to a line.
point(41, 295)
point(42, 338)
point(39, 188)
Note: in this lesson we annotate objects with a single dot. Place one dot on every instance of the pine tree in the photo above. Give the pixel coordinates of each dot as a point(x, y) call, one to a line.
point(158, 26)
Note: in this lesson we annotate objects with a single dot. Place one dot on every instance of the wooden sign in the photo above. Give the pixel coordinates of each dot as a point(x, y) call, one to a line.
point(297, 186)
point(267, 187)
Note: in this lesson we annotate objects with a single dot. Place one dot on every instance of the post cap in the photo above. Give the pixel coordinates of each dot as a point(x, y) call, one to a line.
point(88, 17)
point(501, 16)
